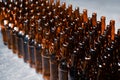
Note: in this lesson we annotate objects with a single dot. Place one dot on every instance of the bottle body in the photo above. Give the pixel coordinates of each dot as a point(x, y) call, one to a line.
point(63, 71)
point(4, 35)
point(38, 58)
point(53, 68)
point(8, 32)
point(25, 45)
point(31, 51)
point(45, 64)
point(14, 41)
point(20, 44)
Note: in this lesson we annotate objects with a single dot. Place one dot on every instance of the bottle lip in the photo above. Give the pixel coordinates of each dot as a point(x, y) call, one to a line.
point(21, 5)
point(3, 8)
point(16, 28)
point(31, 0)
point(5, 22)
point(11, 0)
point(38, 14)
point(26, 2)
point(100, 66)
point(16, 2)
point(15, 8)
point(10, 5)
point(88, 58)
point(11, 25)
point(63, 66)
point(27, 36)
point(36, 2)
point(5, 3)
point(21, 0)
point(21, 32)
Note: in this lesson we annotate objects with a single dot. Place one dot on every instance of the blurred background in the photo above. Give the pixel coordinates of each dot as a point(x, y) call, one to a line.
point(13, 68)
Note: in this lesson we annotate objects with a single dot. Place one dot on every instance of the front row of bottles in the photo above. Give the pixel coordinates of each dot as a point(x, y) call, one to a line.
point(60, 43)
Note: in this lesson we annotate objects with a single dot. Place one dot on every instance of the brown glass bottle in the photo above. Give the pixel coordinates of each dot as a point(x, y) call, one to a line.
point(85, 16)
point(53, 67)
point(106, 64)
point(94, 19)
point(20, 36)
point(46, 55)
point(116, 60)
point(73, 72)
point(38, 48)
point(45, 64)
point(31, 45)
point(112, 26)
point(14, 33)
point(25, 41)
point(63, 65)
point(63, 70)
point(15, 30)
point(54, 58)
point(118, 33)
point(8, 31)
point(5, 21)
point(14, 21)
point(4, 25)
point(103, 18)
point(38, 58)
point(26, 52)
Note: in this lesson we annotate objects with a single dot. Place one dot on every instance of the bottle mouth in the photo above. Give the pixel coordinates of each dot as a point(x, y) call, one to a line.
point(27, 36)
point(21, 5)
point(5, 3)
point(21, 32)
point(87, 58)
point(15, 8)
point(26, 2)
point(5, 22)
point(37, 2)
point(11, 25)
point(16, 28)
point(3, 8)
point(11, 0)
point(16, 3)
point(10, 5)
